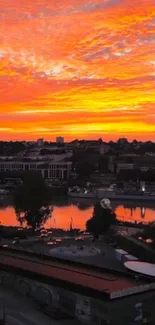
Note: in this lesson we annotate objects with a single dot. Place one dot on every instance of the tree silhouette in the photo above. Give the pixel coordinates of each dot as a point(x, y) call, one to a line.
point(101, 220)
point(85, 168)
point(31, 201)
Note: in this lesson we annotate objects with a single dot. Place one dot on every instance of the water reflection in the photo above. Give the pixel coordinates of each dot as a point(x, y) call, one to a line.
point(80, 212)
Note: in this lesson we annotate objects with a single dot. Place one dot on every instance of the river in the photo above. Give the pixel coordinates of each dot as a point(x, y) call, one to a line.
point(81, 210)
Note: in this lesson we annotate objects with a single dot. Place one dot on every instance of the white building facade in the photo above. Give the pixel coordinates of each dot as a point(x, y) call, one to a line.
point(49, 168)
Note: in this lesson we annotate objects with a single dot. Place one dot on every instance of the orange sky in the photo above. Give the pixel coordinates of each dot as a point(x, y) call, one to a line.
point(80, 69)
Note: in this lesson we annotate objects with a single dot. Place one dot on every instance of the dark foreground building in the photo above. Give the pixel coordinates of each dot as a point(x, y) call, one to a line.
point(84, 293)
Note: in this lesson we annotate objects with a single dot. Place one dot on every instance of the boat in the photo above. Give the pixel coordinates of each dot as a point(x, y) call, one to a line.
point(112, 194)
point(81, 192)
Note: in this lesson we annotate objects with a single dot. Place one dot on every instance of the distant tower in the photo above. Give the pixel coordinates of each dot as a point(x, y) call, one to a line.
point(40, 142)
point(59, 140)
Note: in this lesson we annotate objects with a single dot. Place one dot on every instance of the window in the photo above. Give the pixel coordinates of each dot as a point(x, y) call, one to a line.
point(26, 167)
point(86, 302)
point(32, 166)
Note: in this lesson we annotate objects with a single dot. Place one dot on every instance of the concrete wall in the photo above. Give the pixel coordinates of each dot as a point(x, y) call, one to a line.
point(50, 299)
point(54, 301)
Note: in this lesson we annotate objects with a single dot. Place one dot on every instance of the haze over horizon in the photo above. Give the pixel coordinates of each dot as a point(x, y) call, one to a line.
point(78, 69)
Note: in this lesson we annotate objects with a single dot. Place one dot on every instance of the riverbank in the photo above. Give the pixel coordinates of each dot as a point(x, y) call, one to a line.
point(25, 233)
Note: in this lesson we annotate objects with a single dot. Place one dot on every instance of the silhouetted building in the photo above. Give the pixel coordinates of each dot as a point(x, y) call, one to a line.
point(59, 140)
point(40, 142)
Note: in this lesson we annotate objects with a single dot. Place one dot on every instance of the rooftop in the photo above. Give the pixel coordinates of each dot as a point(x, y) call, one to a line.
point(62, 158)
point(102, 276)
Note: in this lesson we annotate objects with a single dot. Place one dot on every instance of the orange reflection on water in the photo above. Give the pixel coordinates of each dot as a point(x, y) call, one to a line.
point(139, 214)
point(61, 216)
point(8, 217)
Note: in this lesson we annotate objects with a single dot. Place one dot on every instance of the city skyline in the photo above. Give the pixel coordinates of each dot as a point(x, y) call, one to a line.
point(78, 69)
point(54, 140)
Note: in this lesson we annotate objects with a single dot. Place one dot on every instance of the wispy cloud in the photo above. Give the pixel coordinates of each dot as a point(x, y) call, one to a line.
point(82, 67)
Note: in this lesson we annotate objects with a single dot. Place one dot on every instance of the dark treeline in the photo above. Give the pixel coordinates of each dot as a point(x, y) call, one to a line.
point(11, 148)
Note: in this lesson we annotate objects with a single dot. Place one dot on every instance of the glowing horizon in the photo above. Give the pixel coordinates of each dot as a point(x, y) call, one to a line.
point(78, 69)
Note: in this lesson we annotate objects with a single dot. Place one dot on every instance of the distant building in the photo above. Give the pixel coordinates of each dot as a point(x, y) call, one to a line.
point(104, 148)
point(40, 142)
point(59, 140)
point(124, 166)
point(55, 168)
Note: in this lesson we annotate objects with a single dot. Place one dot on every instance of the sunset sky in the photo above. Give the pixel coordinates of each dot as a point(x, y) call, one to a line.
point(77, 68)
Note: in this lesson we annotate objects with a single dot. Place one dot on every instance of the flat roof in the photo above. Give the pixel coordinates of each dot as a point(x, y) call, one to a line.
point(108, 284)
point(36, 160)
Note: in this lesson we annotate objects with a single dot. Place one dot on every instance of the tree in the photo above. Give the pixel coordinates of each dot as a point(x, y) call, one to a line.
point(127, 175)
point(31, 201)
point(102, 219)
point(103, 164)
point(85, 168)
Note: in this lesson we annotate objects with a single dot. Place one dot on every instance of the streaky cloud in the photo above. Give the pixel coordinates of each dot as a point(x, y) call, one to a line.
point(77, 68)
